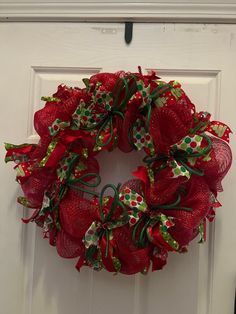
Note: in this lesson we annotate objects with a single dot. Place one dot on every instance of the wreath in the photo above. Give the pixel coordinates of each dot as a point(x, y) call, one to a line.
point(130, 227)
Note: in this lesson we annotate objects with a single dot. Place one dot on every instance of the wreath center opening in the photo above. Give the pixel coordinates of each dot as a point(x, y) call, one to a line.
point(117, 167)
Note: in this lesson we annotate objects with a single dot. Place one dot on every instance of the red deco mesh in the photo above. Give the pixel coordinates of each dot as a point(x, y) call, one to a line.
point(220, 163)
point(164, 188)
point(125, 127)
point(41, 149)
point(46, 116)
point(134, 184)
point(67, 246)
point(35, 186)
point(197, 198)
point(108, 80)
point(132, 259)
point(76, 214)
point(69, 106)
point(168, 126)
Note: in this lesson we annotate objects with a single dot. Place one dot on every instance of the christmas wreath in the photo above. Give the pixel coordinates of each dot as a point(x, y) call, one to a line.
point(168, 201)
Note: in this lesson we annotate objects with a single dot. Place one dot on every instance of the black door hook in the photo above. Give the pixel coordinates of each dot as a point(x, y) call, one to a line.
point(128, 32)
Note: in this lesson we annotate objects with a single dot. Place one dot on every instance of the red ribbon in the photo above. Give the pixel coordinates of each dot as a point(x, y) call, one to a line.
point(157, 238)
point(21, 150)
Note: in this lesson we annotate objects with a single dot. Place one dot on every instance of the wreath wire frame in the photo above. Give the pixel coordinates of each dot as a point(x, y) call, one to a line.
point(167, 203)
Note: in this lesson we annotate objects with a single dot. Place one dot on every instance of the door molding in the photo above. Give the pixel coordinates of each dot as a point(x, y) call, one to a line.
point(118, 12)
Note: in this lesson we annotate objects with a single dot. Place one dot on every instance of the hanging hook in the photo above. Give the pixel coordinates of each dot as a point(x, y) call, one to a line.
point(128, 32)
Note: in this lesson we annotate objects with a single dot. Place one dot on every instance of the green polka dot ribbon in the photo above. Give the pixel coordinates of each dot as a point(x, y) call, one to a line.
point(142, 93)
point(96, 230)
point(92, 236)
point(135, 201)
point(134, 216)
point(57, 126)
point(179, 170)
point(98, 117)
point(142, 139)
point(90, 116)
point(63, 170)
point(84, 117)
point(190, 144)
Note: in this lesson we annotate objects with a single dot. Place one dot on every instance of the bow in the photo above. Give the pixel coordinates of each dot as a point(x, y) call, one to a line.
point(104, 107)
point(98, 238)
point(183, 155)
point(155, 229)
point(217, 128)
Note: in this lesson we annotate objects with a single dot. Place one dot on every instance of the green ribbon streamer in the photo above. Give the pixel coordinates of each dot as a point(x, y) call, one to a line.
point(122, 84)
point(80, 180)
point(173, 206)
point(147, 222)
point(115, 203)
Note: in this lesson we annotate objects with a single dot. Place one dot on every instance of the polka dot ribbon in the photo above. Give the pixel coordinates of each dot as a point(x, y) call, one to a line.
point(190, 144)
point(143, 90)
point(142, 139)
point(63, 169)
point(90, 116)
point(57, 126)
point(135, 201)
point(93, 234)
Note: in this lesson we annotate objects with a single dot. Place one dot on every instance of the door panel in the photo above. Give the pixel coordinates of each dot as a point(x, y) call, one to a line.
point(35, 58)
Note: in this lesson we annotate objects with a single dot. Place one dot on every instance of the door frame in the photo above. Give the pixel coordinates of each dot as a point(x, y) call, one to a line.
point(116, 11)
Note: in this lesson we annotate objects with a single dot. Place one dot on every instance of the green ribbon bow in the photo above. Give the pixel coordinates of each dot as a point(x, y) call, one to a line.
point(109, 105)
point(146, 231)
point(104, 227)
point(183, 156)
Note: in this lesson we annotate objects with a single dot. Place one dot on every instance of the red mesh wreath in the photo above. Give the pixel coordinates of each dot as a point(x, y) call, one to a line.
point(165, 205)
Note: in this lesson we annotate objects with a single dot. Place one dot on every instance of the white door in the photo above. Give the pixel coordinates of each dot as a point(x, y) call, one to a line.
point(34, 59)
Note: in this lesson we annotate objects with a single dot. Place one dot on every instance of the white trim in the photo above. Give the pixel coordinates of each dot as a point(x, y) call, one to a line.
point(115, 12)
